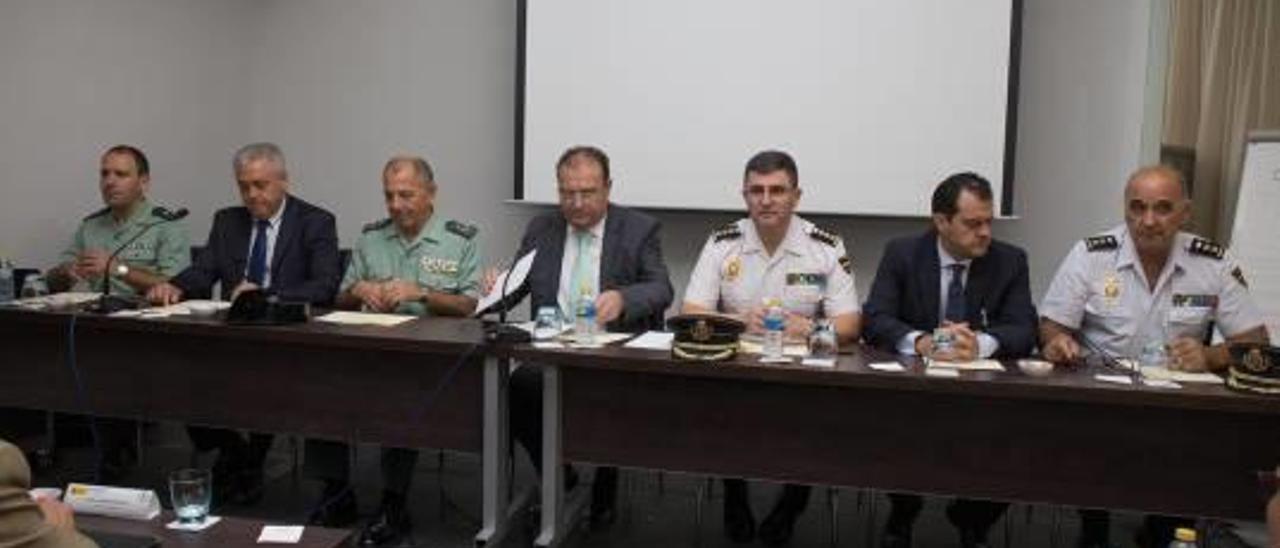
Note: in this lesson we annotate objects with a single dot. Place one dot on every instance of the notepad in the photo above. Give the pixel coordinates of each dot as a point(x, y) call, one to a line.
point(652, 340)
point(887, 367)
point(343, 317)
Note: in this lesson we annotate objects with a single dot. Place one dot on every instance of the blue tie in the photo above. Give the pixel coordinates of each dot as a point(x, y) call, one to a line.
point(955, 294)
point(258, 254)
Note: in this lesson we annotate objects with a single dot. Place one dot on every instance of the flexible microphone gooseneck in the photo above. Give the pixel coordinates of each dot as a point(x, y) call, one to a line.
point(108, 304)
point(501, 333)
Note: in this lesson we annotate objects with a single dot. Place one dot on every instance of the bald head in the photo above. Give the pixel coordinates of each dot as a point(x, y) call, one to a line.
point(1156, 208)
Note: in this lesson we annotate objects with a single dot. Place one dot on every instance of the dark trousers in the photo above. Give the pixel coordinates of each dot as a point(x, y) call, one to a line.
point(793, 498)
point(330, 461)
point(968, 515)
point(1157, 530)
point(237, 453)
point(526, 427)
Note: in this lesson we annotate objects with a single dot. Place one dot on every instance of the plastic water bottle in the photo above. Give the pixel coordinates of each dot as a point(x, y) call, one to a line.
point(1183, 537)
point(6, 281)
point(775, 324)
point(584, 326)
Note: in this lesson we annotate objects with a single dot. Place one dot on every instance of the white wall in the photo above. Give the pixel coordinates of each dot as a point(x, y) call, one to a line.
point(342, 85)
point(78, 76)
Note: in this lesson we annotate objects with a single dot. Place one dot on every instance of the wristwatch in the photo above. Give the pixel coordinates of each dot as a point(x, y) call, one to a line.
point(121, 270)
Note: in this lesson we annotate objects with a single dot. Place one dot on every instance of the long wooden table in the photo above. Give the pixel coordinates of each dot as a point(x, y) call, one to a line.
point(1065, 439)
point(350, 383)
point(231, 532)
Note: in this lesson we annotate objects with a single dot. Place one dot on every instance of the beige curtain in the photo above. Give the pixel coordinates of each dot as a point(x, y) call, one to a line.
point(1223, 81)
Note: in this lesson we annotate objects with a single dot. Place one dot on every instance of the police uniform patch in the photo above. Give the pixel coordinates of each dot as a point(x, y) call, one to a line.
point(825, 236)
point(1206, 248)
point(435, 265)
point(727, 232)
point(1111, 288)
point(462, 229)
point(98, 213)
point(1101, 243)
point(376, 225)
point(733, 269)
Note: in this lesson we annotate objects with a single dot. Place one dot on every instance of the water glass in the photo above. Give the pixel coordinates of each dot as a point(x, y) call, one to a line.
point(943, 341)
point(547, 323)
point(191, 490)
point(822, 340)
point(35, 286)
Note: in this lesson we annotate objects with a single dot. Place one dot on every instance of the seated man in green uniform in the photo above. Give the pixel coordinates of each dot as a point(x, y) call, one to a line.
point(411, 263)
point(162, 251)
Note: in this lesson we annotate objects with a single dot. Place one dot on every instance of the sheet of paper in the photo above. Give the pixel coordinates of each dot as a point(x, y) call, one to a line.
point(511, 279)
point(1162, 373)
point(942, 372)
point(1161, 383)
point(280, 534)
point(887, 367)
point(345, 317)
point(754, 347)
point(547, 345)
point(976, 365)
point(827, 363)
point(58, 300)
point(784, 359)
point(601, 339)
point(1115, 379)
point(652, 340)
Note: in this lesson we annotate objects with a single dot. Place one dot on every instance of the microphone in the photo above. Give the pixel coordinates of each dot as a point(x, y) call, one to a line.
point(1109, 361)
point(107, 303)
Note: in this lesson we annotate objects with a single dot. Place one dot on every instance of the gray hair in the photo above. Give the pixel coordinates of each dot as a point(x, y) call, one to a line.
point(260, 151)
point(421, 169)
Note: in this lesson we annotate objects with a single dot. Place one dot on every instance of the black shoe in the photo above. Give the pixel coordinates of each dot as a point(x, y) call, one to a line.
point(604, 495)
point(739, 524)
point(336, 509)
point(895, 540)
point(389, 527)
point(777, 527)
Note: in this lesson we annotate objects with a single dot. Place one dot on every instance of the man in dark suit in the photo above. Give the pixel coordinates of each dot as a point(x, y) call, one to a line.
point(952, 283)
point(588, 249)
point(275, 243)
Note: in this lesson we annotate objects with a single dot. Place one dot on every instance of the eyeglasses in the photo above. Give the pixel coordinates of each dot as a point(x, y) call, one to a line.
point(583, 195)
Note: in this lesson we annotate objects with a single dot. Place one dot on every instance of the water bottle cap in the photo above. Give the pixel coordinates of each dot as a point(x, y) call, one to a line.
point(1185, 534)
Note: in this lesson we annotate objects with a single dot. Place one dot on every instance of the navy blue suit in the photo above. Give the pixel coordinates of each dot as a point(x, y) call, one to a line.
point(905, 295)
point(304, 268)
point(304, 265)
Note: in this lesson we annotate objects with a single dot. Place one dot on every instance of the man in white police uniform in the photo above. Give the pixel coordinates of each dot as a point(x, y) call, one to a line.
point(773, 254)
point(1147, 285)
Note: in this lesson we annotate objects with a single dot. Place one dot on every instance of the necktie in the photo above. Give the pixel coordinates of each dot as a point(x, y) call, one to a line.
point(581, 271)
point(258, 253)
point(955, 294)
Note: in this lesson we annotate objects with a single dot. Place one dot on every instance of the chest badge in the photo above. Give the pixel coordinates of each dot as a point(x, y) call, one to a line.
point(733, 269)
point(1111, 288)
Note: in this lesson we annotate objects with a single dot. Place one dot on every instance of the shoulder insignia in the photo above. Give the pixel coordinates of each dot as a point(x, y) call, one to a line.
point(1239, 276)
point(1206, 248)
point(462, 229)
point(1101, 243)
point(727, 232)
point(822, 235)
point(98, 213)
point(847, 264)
point(376, 225)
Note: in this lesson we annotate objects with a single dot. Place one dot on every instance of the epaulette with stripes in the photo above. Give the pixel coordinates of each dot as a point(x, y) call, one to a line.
point(377, 225)
point(1207, 248)
point(822, 235)
point(98, 213)
point(727, 232)
point(1101, 243)
point(462, 229)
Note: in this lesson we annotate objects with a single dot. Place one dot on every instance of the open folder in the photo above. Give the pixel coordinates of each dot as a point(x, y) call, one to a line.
point(507, 284)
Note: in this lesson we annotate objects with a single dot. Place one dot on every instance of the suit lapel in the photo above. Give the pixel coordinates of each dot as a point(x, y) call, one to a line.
point(551, 255)
point(288, 231)
point(238, 245)
point(975, 290)
point(930, 277)
point(607, 251)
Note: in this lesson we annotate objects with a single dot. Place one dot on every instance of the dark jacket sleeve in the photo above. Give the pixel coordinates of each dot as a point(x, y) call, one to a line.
point(197, 280)
point(651, 293)
point(1014, 324)
point(883, 309)
point(319, 240)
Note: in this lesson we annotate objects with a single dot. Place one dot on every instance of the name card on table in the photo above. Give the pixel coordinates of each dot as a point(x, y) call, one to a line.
point(114, 502)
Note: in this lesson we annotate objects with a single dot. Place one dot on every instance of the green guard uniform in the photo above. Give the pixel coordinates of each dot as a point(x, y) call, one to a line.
point(443, 257)
point(163, 250)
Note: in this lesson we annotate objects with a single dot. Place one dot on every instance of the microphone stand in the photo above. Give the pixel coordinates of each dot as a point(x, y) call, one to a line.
point(501, 333)
point(109, 303)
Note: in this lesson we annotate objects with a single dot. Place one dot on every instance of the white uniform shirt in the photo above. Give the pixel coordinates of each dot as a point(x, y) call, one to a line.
point(1104, 293)
point(734, 273)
